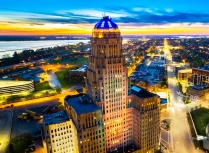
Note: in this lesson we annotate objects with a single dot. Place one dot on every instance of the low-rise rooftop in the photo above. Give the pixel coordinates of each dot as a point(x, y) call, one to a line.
point(140, 92)
point(202, 68)
point(187, 70)
point(82, 103)
point(199, 87)
point(55, 118)
point(163, 101)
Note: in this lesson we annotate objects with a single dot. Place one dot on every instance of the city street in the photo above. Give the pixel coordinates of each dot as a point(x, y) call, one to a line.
point(59, 97)
point(180, 130)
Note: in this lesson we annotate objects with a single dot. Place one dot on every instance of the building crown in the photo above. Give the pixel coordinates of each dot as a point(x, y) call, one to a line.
point(106, 23)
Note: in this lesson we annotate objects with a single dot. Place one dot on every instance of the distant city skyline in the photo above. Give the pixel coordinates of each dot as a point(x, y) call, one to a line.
point(178, 17)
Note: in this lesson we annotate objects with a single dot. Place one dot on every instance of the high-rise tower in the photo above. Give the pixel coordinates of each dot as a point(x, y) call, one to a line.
point(128, 119)
point(107, 81)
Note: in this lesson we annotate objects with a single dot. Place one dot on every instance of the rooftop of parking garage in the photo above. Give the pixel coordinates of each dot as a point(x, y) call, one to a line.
point(10, 83)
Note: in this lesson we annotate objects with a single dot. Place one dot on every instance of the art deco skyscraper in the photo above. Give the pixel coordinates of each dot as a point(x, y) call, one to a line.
point(127, 119)
point(107, 82)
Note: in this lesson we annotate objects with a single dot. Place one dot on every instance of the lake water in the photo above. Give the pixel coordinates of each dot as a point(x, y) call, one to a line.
point(9, 47)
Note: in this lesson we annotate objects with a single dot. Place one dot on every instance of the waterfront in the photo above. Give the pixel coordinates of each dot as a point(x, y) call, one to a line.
point(9, 47)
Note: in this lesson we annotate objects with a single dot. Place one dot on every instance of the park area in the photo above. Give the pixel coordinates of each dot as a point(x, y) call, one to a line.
point(43, 86)
point(201, 119)
point(71, 61)
point(62, 75)
point(64, 80)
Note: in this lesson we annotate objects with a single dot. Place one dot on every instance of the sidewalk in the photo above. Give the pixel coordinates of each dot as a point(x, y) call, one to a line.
point(5, 126)
point(53, 81)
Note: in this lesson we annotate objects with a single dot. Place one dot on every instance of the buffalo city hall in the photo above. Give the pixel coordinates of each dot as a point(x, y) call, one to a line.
point(113, 116)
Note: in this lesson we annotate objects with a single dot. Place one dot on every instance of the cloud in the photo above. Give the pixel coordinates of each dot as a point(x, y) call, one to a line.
point(140, 9)
point(169, 10)
point(140, 16)
point(155, 16)
point(39, 24)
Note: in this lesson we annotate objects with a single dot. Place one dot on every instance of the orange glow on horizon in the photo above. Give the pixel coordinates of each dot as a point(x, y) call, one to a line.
point(65, 29)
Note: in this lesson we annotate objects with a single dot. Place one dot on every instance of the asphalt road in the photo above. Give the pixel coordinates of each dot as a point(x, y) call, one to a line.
point(59, 97)
point(177, 113)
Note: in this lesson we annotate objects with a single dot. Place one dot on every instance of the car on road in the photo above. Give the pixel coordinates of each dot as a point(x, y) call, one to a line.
point(23, 116)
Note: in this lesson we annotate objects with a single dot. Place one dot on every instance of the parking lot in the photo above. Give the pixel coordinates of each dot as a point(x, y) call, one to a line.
point(22, 126)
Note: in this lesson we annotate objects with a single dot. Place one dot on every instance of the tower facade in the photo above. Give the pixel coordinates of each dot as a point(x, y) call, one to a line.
point(87, 117)
point(107, 82)
point(146, 120)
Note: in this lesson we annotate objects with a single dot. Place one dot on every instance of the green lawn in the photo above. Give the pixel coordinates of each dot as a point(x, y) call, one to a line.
point(61, 77)
point(79, 62)
point(65, 81)
point(201, 119)
point(43, 86)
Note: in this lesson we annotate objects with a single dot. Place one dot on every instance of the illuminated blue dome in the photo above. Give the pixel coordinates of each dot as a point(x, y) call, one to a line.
point(106, 23)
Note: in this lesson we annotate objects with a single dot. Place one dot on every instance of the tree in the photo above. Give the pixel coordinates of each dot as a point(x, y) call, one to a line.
point(76, 77)
point(198, 62)
point(152, 52)
point(47, 93)
point(15, 55)
point(19, 144)
point(11, 148)
point(162, 53)
point(186, 100)
point(58, 89)
point(13, 98)
point(6, 56)
point(180, 86)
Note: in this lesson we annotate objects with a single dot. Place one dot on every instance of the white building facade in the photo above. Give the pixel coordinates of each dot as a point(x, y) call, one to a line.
point(60, 134)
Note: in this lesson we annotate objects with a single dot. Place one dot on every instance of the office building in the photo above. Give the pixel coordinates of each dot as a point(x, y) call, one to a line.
point(184, 74)
point(112, 116)
point(87, 117)
point(200, 82)
point(198, 91)
point(60, 133)
point(107, 81)
point(200, 76)
point(146, 119)
point(107, 85)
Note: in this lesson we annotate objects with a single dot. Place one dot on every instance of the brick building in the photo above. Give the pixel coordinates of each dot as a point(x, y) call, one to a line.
point(200, 76)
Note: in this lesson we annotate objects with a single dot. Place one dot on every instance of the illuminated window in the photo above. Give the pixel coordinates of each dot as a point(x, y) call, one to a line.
point(109, 24)
point(102, 25)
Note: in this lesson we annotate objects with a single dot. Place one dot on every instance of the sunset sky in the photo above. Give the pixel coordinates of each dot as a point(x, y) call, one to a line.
point(53, 17)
